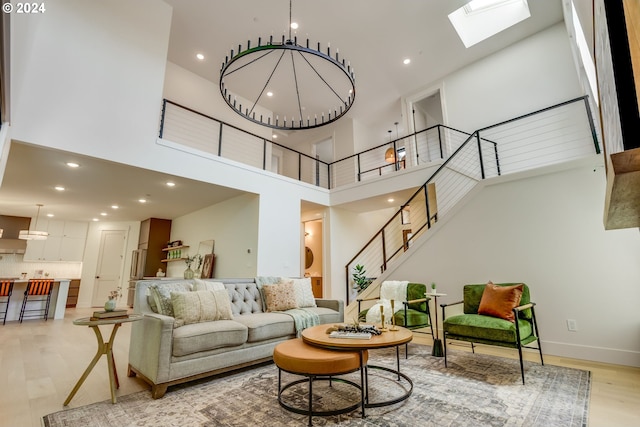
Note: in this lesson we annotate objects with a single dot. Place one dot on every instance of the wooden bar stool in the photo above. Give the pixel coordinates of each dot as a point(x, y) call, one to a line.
point(6, 288)
point(38, 290)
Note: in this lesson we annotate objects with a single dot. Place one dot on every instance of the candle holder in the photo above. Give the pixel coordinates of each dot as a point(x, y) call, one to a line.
point(393, 318)
point(382, 327)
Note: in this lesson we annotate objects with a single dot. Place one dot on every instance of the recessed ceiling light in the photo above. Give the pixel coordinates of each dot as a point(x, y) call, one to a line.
point(73, 165)
point(269, 93)
point(103, 214)
point(114, 206)
point(50, 215)
point(294, 25)
point(95, 220)
point(200, 56)
point(406, 61)
point(59, 187)
point(275, 136)
point(171, 184)
point(390, 200)
point(142, 200)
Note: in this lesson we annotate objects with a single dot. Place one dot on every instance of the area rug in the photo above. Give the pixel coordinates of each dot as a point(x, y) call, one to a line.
point(475, 390)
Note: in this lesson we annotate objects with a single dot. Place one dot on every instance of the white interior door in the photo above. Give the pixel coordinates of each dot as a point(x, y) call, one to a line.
point(110, 263)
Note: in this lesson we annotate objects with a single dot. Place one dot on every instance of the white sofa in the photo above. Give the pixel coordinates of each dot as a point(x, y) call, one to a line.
point(164, 355)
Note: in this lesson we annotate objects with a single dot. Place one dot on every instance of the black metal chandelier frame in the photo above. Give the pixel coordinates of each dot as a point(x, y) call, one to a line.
point(287, 45)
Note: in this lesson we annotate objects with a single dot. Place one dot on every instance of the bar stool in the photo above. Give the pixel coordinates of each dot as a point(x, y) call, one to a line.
point(6, 287)
point(38, 290)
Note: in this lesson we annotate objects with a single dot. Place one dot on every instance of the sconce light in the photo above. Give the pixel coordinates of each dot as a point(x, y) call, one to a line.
point(390, 155)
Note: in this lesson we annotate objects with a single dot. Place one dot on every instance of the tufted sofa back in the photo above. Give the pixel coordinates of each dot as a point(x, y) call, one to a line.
point(245, 297)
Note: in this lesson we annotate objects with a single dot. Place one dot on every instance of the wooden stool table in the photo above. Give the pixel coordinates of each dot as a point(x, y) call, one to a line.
point(103, 348)
point(296, 357)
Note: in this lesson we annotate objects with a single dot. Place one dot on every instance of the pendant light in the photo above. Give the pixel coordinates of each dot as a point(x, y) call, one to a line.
point(34, 234)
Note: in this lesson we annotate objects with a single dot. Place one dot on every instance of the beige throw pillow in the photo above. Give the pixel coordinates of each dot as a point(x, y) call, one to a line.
point(304, 292)
point(280, 296)
point(200, 306)
point(161, 295)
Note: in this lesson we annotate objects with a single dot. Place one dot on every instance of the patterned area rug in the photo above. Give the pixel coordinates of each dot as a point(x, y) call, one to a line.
point(475, 390)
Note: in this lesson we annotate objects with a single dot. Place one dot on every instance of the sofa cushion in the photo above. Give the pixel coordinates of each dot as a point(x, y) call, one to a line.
point(206, 285)
point(200, 306)
point(499, 301)
point(265, 326)
point(280, 296)
point(205, 336)
point(303, 291)
point(161, 295)
point(486, 327)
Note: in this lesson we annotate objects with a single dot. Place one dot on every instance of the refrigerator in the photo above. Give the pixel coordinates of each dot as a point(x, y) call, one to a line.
point(138, 263)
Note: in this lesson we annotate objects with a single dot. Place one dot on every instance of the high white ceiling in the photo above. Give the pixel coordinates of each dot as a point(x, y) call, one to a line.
point(373, 35)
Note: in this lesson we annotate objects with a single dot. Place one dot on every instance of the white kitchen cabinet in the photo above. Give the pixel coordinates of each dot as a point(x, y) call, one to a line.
point(66, 242)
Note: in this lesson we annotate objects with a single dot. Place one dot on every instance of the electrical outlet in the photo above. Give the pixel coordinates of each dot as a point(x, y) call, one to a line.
point(572, 325)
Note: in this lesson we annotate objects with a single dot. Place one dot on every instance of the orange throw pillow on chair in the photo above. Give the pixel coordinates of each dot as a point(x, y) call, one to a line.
point(499, 301)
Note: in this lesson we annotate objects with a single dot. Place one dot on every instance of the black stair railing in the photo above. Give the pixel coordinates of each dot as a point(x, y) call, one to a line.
point(555, 134)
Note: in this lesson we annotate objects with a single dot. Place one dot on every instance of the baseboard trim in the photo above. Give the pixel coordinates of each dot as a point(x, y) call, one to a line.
point(596, 354)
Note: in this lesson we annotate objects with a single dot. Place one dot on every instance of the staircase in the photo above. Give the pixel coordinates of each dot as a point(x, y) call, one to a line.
point(556, 134)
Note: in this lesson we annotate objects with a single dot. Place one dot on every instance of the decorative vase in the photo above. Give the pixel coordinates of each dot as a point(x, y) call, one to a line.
point(110, 305)
point(188, 273)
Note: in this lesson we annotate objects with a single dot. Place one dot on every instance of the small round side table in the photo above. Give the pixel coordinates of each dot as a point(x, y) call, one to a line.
point(103, 348)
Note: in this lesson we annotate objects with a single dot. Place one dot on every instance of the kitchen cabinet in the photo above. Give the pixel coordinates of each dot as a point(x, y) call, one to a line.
point(154, 236)
point(66, 242)
point(74, 290)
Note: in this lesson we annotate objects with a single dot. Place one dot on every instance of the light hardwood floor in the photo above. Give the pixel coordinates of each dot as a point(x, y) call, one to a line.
point(40, 363)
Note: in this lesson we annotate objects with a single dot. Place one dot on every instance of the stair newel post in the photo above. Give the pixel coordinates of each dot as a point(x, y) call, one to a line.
point(495, 149)
point(592, 126)
point(164, 109)
point(359, 170)
point(329, 168)
point(395, 156)
point(299, 166)
point(264, 154)
point(480, 155)
point(439, 142)
point(426, 203)
point(384, 252)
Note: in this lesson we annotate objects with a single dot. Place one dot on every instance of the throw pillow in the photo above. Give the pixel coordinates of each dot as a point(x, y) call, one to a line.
point(280, 296)
point(499, 301)
point(161, 294)
point(200, 306)
point(304, 291)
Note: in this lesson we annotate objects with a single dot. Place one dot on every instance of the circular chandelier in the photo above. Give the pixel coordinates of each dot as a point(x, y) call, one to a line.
point(287, 86)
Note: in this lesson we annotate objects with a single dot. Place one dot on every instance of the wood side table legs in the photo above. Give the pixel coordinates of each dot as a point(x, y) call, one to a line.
point(103, 348)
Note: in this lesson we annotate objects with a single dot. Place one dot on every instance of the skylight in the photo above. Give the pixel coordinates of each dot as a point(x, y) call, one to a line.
point(480, 19)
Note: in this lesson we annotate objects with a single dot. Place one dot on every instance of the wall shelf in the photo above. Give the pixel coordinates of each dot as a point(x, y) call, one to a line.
point(173, 248)
point(172, 259)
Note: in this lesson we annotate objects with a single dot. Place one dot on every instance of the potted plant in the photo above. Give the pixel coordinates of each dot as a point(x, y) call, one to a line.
point(433, 288)
point(360, 281)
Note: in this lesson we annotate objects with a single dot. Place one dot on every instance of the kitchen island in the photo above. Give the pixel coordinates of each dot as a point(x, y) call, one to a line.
point(56, 307)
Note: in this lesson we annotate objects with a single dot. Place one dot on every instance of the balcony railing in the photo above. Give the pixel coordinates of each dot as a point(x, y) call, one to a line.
point(193, 129)
point(552, 135)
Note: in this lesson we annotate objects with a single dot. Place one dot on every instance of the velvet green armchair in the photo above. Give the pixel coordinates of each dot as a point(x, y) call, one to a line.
point(415, 313)
point(495, 328)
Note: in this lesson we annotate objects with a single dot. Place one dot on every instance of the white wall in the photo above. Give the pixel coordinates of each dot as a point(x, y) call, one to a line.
point(547, 232)
point(345, 233)
point(92, 251)
point(87, 77)
point(531, 74)
point(233, 224)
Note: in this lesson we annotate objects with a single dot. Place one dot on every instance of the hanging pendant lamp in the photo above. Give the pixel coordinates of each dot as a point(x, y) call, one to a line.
point(34, 234)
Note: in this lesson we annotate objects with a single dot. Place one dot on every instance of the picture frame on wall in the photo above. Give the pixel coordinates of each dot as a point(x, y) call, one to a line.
point(207, 266)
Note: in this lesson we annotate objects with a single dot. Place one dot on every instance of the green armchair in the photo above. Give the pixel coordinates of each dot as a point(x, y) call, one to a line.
point(415, 313)
point(494, 329)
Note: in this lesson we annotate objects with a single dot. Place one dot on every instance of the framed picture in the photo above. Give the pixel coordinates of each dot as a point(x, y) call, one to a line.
point(207, 266)
point(406, 238)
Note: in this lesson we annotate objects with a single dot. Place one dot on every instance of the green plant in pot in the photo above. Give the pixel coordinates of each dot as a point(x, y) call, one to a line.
point(360, 281)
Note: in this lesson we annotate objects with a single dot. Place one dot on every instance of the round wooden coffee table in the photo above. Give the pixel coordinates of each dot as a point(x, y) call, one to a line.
point(318, 336)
